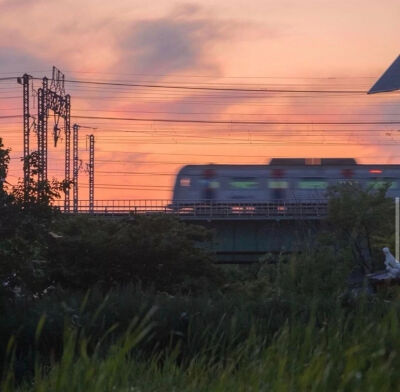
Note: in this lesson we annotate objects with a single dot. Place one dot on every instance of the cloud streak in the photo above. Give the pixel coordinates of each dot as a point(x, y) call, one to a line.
point(18, 60)
point(180, 41)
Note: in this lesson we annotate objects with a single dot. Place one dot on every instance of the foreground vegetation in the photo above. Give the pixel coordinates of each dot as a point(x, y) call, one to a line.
point(255, 338)
point(138, 304)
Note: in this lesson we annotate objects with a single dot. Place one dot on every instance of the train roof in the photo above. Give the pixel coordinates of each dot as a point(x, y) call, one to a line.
point(288, 162)
point(312, 161)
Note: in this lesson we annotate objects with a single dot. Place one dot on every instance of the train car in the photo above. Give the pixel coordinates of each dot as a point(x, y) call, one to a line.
point(297, 180)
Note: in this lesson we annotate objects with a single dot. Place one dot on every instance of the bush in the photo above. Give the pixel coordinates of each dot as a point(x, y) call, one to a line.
point(158, 251)
point(361, 219)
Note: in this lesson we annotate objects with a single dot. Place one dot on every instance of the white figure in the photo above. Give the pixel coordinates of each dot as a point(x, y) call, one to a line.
point(392, 265)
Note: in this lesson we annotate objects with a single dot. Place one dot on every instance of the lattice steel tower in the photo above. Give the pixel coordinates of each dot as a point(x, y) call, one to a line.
point(26, 83)
point(42, 130)
point(67, 170)
point(54, 98)
point(75, 165)
point(91, 173)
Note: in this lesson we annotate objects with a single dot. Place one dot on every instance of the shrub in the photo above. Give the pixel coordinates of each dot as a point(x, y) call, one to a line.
point(361, 219)
point(158, 251)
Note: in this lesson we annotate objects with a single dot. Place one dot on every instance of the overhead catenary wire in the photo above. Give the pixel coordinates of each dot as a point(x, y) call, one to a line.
point(220, 114)
point(151, 89)
point(177, 87)
point(8, 78)
point(257, 157)
point(332, 77)
point(177, 120)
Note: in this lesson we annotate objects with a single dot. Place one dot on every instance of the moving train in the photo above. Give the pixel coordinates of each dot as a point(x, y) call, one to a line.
point(283, 179)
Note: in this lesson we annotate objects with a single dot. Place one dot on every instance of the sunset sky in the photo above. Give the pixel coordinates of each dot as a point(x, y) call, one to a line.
point(230, 45)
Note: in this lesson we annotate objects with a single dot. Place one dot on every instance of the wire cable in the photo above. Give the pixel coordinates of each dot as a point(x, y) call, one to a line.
point(163, 86)
point(238, 122)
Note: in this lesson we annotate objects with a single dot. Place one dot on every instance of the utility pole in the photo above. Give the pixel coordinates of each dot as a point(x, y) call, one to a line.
point(42, 131)
point(25, 81)
point(75, 163)
point(67, 169)
point(55, 99)
point(91, 173)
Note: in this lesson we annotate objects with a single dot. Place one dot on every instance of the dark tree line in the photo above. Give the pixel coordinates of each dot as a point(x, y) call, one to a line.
point(41, 249)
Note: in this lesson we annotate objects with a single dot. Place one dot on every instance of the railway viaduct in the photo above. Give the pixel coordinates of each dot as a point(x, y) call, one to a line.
point(243, 232)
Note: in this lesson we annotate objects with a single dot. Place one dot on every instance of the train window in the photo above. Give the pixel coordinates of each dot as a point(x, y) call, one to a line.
point(313, 161)
point(214, 184)
point(278, 184)
point(378, 183)
point(185, 181)
point(375, 171)
point(347, 173)
point(244, 183)
point(312, 183)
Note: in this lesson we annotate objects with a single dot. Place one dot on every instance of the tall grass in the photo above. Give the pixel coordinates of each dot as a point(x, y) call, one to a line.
point(354, 351)
point(289, 327)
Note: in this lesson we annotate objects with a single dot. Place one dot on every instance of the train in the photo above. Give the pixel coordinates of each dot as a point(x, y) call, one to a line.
point(282, 179)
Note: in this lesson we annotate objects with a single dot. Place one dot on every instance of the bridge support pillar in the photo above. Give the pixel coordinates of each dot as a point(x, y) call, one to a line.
point(245, 241)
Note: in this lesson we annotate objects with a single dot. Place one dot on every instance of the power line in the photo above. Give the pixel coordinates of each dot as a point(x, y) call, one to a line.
point(209, 102)
point(191, 155)
point(227, 132)
point(141, 185)
point(231, 114)
point(8, 78)
point(107, 132)
point(224, 77)
point(163, 86)
point(168, 95)
point(222, 114)
point(266, 85)
point(238, 122)
point(109, 188)
point(13, 116)
point(250, 87)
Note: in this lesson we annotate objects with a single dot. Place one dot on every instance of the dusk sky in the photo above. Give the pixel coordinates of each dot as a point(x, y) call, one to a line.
point(228, 44)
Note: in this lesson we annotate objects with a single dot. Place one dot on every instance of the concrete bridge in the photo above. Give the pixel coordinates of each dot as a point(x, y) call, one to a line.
point(243, 231)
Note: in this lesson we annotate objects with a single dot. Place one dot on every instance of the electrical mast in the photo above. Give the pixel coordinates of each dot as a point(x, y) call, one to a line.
point(75, 163)
point(42, 131)
point(91, 173)
point(25, 81)
point(53, 98)
point(67, 130)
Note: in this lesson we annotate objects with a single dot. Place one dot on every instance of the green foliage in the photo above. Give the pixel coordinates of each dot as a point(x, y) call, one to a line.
point(355, 351)
point(4, 161)
point(158, 251)
point(361, 219)
point(5, 198)
point(38, 196)
point(285, 317)
point(316, 274)
point(281, 324)
point(24, 225)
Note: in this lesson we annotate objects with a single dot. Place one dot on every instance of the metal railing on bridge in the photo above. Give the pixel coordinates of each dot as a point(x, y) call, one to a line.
point(207, 209)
